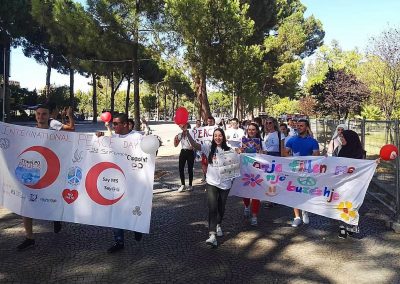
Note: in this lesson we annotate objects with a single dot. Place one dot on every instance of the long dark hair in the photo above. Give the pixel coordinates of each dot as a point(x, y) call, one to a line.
point(353, 148)
point(224, 146)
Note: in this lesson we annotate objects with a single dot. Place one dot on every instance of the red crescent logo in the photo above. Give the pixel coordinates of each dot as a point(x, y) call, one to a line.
point(91, 183)
point(53, 167)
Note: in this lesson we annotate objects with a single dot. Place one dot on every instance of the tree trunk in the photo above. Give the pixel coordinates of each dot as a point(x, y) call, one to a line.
point(48, 74)
point(201, 93)
point(112, 97)
point(94, 98)
point(128, 90)
point(135, 65)
point(165, 104)
point(71, 88)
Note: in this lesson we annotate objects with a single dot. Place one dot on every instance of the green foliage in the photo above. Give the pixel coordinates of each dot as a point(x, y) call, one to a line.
point(371, 112)
point(220, 103)
point(276, 106)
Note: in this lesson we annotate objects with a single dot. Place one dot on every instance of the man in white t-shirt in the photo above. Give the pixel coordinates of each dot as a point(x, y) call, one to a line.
point(57, 125)
point(234, 134)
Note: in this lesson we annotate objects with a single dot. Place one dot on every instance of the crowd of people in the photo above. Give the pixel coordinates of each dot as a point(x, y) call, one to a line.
point(290, 138)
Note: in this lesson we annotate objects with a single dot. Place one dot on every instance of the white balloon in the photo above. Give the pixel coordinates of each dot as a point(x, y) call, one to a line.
point(150, 144)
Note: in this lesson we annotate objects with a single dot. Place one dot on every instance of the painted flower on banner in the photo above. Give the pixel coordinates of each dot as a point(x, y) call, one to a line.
point(347, 210)
point(250, 179)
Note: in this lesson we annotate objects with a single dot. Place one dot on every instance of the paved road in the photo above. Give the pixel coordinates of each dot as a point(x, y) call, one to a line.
point(175, 250)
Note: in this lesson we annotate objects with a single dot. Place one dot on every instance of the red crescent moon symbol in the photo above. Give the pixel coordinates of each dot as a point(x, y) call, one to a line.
point(91, 183)
point(53, 167)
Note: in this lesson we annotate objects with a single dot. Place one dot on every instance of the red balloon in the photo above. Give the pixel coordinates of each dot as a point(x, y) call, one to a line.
point(105, 116)
point(181, 115)
point(389, 152)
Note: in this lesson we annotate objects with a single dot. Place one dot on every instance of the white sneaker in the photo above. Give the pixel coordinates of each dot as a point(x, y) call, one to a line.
point(181, 188)
point(219, 231)
point(212, 240)
point(189, 188)
point(253, 221)
point(305, 217)
point(246, 212)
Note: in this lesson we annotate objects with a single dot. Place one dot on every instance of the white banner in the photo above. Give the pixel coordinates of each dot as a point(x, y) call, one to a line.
point(332, 187)
point(76, 177)
point(202, 134)
point(228, 164)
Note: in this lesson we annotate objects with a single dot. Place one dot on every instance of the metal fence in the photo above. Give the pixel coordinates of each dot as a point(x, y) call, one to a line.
point(385, 185)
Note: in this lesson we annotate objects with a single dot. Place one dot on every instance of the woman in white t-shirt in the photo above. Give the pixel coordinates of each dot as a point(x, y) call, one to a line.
point(217, 189)
point(272, 138)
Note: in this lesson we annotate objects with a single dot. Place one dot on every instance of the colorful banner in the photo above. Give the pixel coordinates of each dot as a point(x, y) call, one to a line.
point(329, 186)
point(76, 177)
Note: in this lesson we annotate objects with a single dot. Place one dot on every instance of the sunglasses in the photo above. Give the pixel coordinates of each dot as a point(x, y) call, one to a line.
point(269, 122)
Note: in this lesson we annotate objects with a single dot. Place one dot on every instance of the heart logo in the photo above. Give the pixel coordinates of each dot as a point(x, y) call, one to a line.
point(70, 195)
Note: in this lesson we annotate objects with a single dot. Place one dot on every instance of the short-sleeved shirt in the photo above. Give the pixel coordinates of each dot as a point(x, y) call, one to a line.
point(302, 146)
point(185, 143)
point(271, 141)
point(234, 137)
point(213, 176)
point(54, 124)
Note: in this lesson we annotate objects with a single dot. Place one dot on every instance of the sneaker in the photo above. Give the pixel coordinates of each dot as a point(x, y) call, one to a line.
point(253, 221)
point(246, 212)
point(115, 247)
point(28, 243)
point(296, 222)
point(57, 226)
point(189, 188)
point(342, 232)
point(181, 188)
point(306, 219)
point(219, 231)
point(212, 240)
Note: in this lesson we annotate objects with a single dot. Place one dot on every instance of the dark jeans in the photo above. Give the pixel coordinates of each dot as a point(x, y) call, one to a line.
point(119, 235)
point(216, 198)
point(186, 155)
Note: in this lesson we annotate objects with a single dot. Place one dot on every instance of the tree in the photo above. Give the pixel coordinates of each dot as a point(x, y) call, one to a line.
point(340, 94)
point(208, 30)
point(382, 71)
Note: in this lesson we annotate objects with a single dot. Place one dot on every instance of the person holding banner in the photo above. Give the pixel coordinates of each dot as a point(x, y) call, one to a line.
point(121, 128)
point(217, 189)
point(350, 148)
point(42, 116)
point(272, 139)
point(335, 144)
point(253, 132)
point(302, 145)
point(186, 155)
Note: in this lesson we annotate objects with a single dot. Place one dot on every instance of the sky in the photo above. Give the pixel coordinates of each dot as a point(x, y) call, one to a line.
point(350, 22)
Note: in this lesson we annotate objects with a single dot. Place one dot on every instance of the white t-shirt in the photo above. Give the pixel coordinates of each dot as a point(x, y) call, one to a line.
point(271, 141)
point(185, 143)
point(213, 176)
point(234, 137)
point(55, 124)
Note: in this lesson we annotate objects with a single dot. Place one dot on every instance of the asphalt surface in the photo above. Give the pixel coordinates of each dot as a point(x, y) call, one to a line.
point(175, 250)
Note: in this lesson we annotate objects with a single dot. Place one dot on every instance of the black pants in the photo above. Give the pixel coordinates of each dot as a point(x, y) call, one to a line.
point(216, 198)
point(186, 155)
